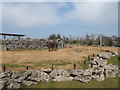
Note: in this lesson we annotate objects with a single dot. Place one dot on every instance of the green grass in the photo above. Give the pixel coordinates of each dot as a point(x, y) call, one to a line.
point(49, 63)
point(13, 65)
point(114, 60)
point(107, 83)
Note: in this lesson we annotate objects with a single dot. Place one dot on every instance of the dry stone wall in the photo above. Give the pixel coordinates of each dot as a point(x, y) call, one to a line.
point(98, 70)
point(28, 44)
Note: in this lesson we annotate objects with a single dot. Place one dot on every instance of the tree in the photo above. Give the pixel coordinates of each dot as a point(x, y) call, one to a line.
point(58, 36)
point(52, 37)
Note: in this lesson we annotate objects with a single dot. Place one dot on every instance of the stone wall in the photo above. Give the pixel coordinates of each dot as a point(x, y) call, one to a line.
point(28, 44)
point(98, 70)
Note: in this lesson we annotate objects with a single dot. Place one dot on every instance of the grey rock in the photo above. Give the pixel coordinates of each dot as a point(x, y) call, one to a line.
point(76, 72)
point(46, 70)
point(63, 72)
point(105, 55)
point(77, 50)
point(35, 76)
point(2, 83)
point(83, 78)
point(15, 74)
point(98, 62)
point(114, 53)
point(99, 77)
point(110, 73)
point(28, 83)
point(14, 86)
point(5, 74)
point(45, 77)
point(2, 75)
point(87, 72)
point(62, 78)
point(54, 73)
point(111, 70)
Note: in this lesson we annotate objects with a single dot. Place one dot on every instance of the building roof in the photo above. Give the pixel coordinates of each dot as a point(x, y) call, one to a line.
point(6, 34)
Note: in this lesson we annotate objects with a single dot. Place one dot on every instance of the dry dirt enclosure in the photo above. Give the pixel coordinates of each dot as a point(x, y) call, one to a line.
point(63, 58)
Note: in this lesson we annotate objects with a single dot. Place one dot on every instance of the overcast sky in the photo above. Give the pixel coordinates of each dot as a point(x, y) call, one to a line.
point(40, 19)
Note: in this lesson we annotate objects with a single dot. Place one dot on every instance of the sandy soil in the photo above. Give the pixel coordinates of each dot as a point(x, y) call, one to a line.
point(43, 58)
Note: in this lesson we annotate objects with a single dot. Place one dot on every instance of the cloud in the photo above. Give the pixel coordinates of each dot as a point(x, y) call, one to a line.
point(94, 12)
point(1, 17)
point(30, 15)
point(41, 14)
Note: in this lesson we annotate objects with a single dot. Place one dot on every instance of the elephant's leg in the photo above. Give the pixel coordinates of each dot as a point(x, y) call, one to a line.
point(49, 49)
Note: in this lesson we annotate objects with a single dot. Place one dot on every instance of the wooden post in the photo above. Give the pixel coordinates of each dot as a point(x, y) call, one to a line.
point(93, 55)
point(27, 67)
point(85, 62)
point(88, 57)
point(52, 67)
point(74, 66)
point(4, 68)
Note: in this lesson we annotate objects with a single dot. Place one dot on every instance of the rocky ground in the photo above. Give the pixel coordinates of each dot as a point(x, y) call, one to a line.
point(98, 70)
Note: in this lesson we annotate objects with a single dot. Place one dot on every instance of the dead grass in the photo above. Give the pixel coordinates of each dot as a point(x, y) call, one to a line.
point(63, 58)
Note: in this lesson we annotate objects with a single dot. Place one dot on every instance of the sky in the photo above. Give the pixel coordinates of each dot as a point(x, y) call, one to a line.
point(41, 19)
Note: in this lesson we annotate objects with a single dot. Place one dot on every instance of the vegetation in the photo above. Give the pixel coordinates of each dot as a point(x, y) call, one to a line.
point(88, 40)
point(107, 83)
point(114, 60)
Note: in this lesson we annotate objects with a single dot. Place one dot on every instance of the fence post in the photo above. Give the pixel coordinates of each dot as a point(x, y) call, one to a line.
point(27, 67)
point(93, 55)
point(85, 62)
point(74, 66)
point(4, 68)
point(88, 57)
point(52, 66)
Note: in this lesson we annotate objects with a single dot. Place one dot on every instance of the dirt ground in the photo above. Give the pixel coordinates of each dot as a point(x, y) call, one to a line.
point(63, 58)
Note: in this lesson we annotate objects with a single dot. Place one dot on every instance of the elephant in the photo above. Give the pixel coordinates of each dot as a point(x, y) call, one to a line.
point(52, 45)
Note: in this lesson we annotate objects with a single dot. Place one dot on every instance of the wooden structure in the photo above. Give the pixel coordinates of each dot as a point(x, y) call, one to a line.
point(4, 38)
point(15, 35)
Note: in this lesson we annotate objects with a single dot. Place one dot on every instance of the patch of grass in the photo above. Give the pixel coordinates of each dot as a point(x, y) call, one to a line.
point(85, 66)
point(50, 62)
point(13, 65)
point(107, 83)
point(62, 63)
point(114, 60)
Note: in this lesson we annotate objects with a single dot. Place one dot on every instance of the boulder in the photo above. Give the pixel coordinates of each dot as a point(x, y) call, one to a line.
point(110, 73)
point(83, 78)
point(114, 53)
point(54, 73)
point(15, 74)
point(111, 70)
point(63, 72)
point(14, 86)
point(35, 76)
point(98, 62)
point(105, 55)
point(2, 75)
point(98, 74)
point(45, 77)
point(46, 70)
point(62, 78)
point(75, 72)
point(99, 77)
point(2, 83)
point(77, 50)
point(5, 74)
point(28, 83)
